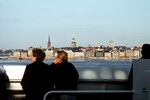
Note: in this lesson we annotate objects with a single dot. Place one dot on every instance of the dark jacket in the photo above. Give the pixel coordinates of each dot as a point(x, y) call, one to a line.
point(36, 79)
point(64, 76)
point(4, 81)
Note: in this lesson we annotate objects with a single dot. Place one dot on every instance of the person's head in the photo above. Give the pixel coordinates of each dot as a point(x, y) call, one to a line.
point(38, 54)
point(61, 57)
point(145, 51)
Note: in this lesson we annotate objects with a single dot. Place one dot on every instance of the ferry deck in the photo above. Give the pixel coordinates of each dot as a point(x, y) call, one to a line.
point(97, 83)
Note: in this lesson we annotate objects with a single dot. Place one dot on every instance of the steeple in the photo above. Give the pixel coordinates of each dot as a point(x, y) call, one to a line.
point(73, 42)
point(49, 44)
point(111, 45)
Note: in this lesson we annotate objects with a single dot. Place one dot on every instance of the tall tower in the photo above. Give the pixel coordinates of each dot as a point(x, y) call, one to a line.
point(111, 44)
point(49, 44)
point(73, 42)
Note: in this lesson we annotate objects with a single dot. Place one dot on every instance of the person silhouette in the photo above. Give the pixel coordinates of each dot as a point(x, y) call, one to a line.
point(4, 80)
point(145, 55)
point(145, 51)
point(64, 75)
point(36, 78)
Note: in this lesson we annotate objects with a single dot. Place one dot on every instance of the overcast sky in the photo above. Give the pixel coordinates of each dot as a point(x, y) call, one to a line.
point(25, 23)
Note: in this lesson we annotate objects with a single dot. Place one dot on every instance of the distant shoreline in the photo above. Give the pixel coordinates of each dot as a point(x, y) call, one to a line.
point(87, 58)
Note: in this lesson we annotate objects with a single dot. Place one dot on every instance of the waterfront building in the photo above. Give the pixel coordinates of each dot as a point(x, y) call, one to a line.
point(87, 54)
point(101, 51)
point(30, 52)
point(16, 54)
point(115, 54)
point(90, 53)
point(137, 53)
point(71, 54)
point(24, 54)
point(20, 54)
point(79, 54)
point(99, 54)
point(49, 54)
point(107, 54)
point(129, 53)
point(4, 56)
point(121, 54)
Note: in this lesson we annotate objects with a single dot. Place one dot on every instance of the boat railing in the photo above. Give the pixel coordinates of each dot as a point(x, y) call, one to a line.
point(117, 90)
point(80, 94)
point(96, 89)
point(113, 85)
point(90, 80)
point(14, 87)
point(85, 87)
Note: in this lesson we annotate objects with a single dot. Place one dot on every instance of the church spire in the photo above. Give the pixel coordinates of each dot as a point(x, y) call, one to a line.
point(111, 45)
point(73, 43)
point(49, 43)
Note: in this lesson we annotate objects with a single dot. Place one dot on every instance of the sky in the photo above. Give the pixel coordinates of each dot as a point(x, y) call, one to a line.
point(29, 23)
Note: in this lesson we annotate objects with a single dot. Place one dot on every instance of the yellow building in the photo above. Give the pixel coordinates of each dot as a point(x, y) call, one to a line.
point(121, 54)
point(71, 54)
point(24, 55)
point(107, 54)
point(16, 54)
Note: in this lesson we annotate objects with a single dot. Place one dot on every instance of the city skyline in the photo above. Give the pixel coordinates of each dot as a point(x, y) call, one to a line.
point(28, 23)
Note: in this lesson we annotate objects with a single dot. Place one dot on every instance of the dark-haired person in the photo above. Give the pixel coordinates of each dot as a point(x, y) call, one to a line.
point(145, 51)
point(145, 55)
point(35, 81)
point(64, 74)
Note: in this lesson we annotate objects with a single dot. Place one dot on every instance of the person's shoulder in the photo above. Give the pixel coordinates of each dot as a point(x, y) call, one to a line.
point(70, 64)
point(45, 64)
point(31, 64)
point(2, 69)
